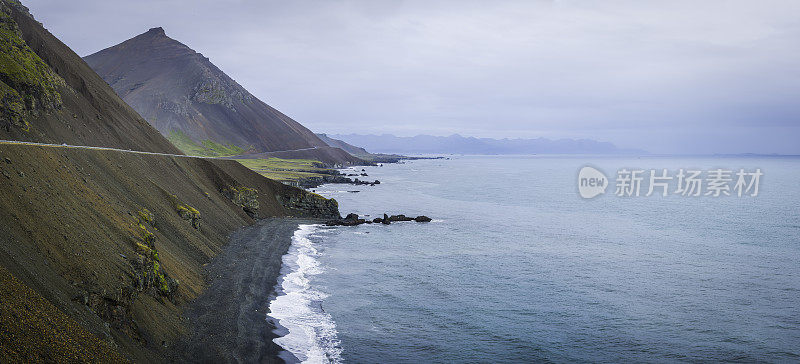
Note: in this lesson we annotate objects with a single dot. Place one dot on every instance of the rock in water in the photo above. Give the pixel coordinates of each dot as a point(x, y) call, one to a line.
point(400, 217)
point(353, 220)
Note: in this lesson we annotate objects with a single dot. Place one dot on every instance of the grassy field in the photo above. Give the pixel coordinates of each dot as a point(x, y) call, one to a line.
point(208, 148)
point(285, 170)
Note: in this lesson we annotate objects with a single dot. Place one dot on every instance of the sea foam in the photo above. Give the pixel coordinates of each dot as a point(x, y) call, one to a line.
point(297, 307)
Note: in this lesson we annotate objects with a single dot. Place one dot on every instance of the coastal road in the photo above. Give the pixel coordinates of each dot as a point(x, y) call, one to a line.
point(17, 142)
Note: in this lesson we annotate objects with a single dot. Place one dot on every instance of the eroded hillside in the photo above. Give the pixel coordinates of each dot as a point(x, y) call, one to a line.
point(102, 248)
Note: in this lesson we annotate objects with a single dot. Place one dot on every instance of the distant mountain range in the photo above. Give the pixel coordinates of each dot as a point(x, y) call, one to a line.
point(352, 149)
point(197, 106)
point(458, 144)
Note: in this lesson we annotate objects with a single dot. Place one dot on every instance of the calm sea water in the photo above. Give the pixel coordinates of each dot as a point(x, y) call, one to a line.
point(516, 267)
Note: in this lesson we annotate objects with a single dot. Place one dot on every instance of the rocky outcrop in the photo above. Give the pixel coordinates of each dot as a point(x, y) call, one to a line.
point(27, 85)
point(316, 181)
point(185, 211)
point(349, 220)
point(307, 204)
point(354, 220)
point(245, 197)
point(149, 274)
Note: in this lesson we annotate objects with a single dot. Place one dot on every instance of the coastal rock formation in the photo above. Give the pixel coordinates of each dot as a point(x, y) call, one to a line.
point(349, 220)
point(334, 177)
point(400, 217)
point(354, 220)
point(308, 204)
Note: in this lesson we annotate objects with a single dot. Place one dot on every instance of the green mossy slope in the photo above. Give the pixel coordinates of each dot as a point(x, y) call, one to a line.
point(208, 148)
point(102, 235)
point(27, 84)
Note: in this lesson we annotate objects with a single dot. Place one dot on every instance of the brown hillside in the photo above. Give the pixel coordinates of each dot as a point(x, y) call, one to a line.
point(49, 94)
point(101, 249)
point(112, 240)
point(178, 89)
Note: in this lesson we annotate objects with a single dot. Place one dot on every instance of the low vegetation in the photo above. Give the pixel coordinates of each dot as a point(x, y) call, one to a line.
point(242, 196)
point(287, 170)
point(185, 211)
point(207, 148)
point(27, 84)
point(151, 274)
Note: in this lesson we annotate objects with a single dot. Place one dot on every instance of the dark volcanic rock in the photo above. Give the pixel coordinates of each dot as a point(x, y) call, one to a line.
point(312, 182)
point(350, 220)
point(304, 204)
point(353, 220)
point(400, 218)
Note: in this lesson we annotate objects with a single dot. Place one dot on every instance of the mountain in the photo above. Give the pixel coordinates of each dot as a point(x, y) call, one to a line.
point(349, 148)
point(469, 145)
point(101, 250)
point(362, 153)
point(193, 103)
point(48, 94)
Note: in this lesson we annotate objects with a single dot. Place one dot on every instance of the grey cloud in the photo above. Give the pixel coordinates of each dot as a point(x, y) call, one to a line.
point(666, 76)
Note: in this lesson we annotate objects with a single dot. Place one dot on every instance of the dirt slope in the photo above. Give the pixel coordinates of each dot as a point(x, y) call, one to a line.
point(102, 249)
point(111, 239)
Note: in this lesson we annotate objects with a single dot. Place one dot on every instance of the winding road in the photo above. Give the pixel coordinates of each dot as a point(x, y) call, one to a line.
point(17, 142)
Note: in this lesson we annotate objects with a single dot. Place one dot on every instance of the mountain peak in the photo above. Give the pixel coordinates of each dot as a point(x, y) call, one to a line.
point(158, 31)
point(178, 90)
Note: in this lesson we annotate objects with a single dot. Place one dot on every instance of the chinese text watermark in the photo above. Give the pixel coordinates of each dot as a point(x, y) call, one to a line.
point(684, 182)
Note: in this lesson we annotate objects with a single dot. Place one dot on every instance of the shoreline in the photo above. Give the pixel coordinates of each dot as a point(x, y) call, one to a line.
point(228, 322)
point(306, 332)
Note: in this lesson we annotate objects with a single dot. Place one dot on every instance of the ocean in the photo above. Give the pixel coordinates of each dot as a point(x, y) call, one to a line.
point(517, 267)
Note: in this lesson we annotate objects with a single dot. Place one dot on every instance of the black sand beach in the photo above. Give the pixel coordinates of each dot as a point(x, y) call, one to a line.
point(228, 321)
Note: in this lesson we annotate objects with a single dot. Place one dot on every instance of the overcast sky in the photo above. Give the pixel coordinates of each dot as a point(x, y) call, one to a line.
point(665, 76)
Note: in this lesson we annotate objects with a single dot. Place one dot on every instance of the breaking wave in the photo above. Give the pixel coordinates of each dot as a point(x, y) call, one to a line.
point(297, 307)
